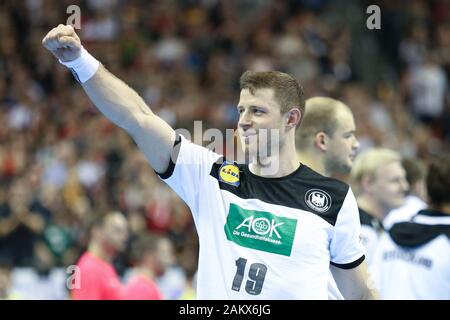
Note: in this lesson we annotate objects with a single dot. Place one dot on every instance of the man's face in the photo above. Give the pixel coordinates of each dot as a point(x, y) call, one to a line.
point(166, 256)
point(115, 232)
point(389, 186)
point(342, 145)
point(257, 112)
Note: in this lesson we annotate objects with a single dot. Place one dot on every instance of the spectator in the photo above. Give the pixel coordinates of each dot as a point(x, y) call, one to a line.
point(22, 221)
point(6, 292)
point(98, 279)
point(417, 194)
point(152, 255)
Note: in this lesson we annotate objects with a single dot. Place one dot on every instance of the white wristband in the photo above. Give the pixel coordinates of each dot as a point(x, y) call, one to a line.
point(83, 67)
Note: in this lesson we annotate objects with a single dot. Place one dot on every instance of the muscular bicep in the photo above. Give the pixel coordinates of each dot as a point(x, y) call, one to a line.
point(124, 107)
point(355, 283)
point(155, 138)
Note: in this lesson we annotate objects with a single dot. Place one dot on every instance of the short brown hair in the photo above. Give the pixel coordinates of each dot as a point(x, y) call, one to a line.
point(320, 116)
point(438, 180)
point(143, 244)
point(416, 170)
point(288, 91)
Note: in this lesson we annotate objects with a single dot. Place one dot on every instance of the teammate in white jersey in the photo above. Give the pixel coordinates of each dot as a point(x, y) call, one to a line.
point(412, 261)
point(326, 142)
point(258, 238)
point(416, 197)
point(381, 186)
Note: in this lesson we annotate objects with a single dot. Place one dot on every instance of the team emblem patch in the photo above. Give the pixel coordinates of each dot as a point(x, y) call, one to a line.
point(318, 200)
point(229, 173)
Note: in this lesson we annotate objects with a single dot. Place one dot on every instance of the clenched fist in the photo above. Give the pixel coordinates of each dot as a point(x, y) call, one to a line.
point(63, 42)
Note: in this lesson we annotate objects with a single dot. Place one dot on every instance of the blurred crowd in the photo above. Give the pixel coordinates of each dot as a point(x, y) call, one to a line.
point(62, 162)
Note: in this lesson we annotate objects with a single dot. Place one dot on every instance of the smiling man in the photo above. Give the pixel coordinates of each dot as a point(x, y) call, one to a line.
point(258, 238)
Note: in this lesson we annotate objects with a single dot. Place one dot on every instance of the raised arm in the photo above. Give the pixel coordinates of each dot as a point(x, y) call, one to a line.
point(117, 101)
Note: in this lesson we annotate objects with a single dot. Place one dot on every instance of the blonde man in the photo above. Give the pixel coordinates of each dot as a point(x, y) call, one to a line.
point(379, 181)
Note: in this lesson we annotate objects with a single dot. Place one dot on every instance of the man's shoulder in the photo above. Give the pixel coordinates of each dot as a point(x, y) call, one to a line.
point(91, 262)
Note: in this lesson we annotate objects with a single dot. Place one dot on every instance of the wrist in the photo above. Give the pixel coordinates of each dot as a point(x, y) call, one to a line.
point(84, 67)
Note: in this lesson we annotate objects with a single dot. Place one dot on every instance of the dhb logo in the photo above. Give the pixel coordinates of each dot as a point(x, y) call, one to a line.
point(318, 200)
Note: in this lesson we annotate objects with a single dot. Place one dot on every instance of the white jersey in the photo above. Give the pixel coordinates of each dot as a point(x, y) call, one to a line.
point(412, 205)
point(264, 238)
point(412, 261)
point(371, 231)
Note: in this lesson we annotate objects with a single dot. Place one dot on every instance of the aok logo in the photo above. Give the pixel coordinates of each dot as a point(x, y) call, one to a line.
point(260, 230)
point(261, 226)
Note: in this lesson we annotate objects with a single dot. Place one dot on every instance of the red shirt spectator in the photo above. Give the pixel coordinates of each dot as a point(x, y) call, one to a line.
point(141, 287)
point(98, 280)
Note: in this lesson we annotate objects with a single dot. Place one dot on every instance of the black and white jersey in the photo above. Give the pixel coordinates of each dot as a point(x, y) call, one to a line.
point(264, 238)
point(409, 209)
point(371, 231)
point(412, 260)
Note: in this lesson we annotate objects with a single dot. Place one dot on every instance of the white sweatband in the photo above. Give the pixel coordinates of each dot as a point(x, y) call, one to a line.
point(83, 67)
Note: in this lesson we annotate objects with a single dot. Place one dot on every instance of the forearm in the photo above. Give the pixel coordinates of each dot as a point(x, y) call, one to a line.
point(355, 284)
point(360, 290)
point(116, 100)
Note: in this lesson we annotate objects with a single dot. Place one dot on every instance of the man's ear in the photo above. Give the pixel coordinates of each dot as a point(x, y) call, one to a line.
point(321, 141)
point(293, 117)
point(366, 184)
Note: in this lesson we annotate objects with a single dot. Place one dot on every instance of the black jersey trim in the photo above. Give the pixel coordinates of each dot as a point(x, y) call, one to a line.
point(174, 155)
point(411, 234)
point(350, 265)
point(289, 191)
point(432, 213)
point(367, 219)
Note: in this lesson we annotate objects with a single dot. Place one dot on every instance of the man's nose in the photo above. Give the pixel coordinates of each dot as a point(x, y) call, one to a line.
point(356, 144)
point(245, 122)
point(405, 185)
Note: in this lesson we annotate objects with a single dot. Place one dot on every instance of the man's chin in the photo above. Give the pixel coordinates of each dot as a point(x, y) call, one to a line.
point(397, 204)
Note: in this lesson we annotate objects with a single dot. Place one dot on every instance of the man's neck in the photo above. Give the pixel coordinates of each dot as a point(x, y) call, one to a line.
point(313, 161)
point(96, 250)
point(276, 166)
point(372, 207)
point(442, 208)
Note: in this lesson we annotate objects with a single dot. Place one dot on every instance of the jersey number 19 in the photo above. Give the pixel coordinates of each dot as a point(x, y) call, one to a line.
point(256, 275)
